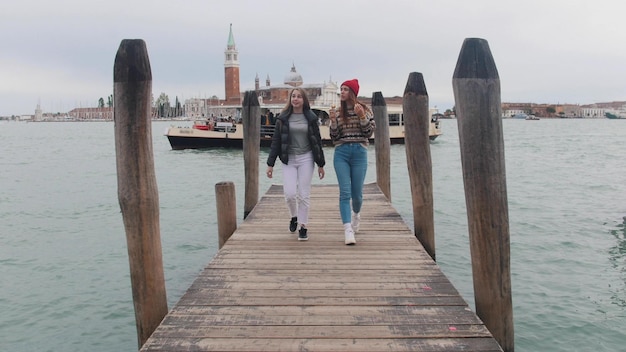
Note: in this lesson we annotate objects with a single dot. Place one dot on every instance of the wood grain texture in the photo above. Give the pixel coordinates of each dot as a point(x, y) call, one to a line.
point(267, 291)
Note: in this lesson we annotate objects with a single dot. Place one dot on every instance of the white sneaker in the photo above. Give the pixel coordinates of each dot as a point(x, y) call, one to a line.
point(356, 221)
point(350, 236)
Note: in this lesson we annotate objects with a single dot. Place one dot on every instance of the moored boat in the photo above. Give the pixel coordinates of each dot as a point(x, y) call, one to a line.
point(230, 135)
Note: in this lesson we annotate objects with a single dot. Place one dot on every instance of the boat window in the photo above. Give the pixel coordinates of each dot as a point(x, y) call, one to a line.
point(394, 119)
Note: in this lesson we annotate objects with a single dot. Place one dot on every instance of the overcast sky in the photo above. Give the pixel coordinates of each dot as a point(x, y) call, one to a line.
point(61, 53)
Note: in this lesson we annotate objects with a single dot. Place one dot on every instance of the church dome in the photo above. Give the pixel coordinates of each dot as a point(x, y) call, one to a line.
point(293, 78)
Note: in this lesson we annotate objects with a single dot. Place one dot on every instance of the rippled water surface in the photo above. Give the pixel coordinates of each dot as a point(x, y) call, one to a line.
point(64, 265)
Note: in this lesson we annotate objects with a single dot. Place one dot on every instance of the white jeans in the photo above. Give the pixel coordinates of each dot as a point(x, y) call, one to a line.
point(297, 177)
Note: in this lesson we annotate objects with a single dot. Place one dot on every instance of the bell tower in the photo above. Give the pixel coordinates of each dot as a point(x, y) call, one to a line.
point(231, 71)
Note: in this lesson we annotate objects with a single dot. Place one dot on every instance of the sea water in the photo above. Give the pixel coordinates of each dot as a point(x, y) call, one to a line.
point(64, 264)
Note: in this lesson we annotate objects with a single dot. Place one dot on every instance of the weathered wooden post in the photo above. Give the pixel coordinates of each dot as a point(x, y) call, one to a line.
point(226, 201)
point(136, 184)
point(251, 114)
point(419, 163)
point(382, 144)
point(479, 117)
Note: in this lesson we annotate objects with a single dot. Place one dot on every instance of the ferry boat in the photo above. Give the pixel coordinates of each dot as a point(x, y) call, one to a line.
point(227, 134)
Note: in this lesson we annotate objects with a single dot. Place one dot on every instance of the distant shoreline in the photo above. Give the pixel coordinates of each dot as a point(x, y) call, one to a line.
point(89, 120)
point(179, 120)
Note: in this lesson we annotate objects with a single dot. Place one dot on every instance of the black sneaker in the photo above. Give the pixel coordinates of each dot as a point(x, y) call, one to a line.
point(293, 224)
point(302, 236)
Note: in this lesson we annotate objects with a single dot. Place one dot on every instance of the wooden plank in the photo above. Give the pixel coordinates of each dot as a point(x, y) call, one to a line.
point(316, 332)
point(408, 300)
point(267, 291)
point(322, 345)
point(287, 285)
point(328, 320)
point(306, 275)
point(312, 311)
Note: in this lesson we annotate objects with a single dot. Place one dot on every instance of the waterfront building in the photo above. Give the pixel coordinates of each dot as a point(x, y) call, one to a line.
point(511, 109)
point(90, 114)
point(618, 112)
point(568, 110)
point(591, 112)
point(274, 97)
point(271, 97)
point(38, 113)
point(231, 71)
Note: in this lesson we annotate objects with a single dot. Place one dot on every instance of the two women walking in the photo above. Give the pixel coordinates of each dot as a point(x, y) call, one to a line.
point(297, 143)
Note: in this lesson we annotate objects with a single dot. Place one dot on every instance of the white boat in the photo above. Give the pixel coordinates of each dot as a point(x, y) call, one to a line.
point(532, 117)
point(230, 135)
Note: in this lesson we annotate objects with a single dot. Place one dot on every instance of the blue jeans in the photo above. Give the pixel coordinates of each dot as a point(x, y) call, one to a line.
point(350, 162)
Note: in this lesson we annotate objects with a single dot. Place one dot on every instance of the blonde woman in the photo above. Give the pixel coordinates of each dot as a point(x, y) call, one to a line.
point(298, 145)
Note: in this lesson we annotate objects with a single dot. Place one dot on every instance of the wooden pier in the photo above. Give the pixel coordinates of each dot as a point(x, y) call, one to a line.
point(266, 291)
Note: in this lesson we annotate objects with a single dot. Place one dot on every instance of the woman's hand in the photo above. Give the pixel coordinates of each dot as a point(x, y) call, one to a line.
point(321, 172)
point(332, 113)
point(269, 172)
point(359, 111)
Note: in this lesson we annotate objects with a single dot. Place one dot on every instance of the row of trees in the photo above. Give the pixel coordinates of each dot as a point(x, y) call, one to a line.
point(161, 107)
point(109, 101)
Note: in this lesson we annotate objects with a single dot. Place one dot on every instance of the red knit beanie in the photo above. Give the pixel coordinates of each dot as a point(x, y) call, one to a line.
point(352, 84)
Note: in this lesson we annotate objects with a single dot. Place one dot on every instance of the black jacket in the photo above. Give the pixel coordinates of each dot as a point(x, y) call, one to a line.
point(280, 140)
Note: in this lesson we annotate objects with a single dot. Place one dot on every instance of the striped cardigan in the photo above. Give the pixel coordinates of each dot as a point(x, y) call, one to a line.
point(354, 130)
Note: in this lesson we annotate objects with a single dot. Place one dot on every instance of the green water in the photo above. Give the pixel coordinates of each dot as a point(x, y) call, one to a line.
point(63, 260)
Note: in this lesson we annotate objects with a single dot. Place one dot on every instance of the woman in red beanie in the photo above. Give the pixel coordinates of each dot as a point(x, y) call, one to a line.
point(350, 130)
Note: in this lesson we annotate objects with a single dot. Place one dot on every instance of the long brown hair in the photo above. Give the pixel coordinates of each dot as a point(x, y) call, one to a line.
point(353, 101)
point(305, 101)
